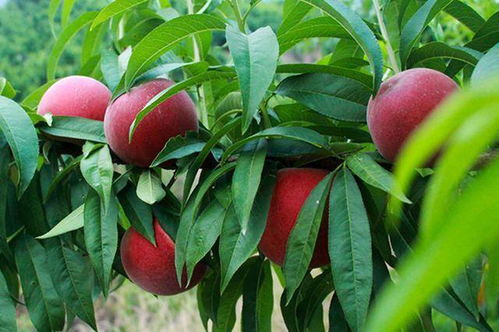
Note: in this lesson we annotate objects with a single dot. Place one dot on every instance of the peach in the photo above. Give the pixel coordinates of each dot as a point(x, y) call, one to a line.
point(153, 268)
point(292, 188)
point(175, 116)
point(78, 96)
point(402, 104)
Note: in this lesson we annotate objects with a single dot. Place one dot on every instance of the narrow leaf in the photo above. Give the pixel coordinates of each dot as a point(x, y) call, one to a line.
point(149, 188)
point(7, 308)
point(115, 8)
point(71, 223)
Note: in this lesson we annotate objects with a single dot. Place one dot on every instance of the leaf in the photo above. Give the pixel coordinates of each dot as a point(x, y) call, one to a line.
point(364, 166)
point(411, 33)
point(435, 50)
point(7, 308)
point(258, 300)
point(255, 58)
point(60, 176)
point(149, 188)
point(350, 249)
point(323, 26)
point(169, 34)
point(67, 6)
point(52, 12)
point(174, 89)
point(295, 133)
point(301, 243)
point(45, 308)
point(337, 97)
point(6, 89)
point(97, 169)
point(487, 67)
point(294, 15)
point(246, 180)
point(21, 136)
point(178, 147)
point(359, 31)
point(420, 274)
point(71, 223)
point(237, 246)
point(69, 270)
point(307, 68)
point(113, 9)
point(138, 212)
point(466, 15)
point(204, 234)
point(101, 237)
point(76, 128)
point(449, 305)
point(66, 35)
point(33, 99)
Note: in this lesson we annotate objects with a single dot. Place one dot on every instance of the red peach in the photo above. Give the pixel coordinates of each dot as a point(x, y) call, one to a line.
point(292, 188)
point(402, 104)
point(79, 96)
point(175, 116)
point(153, 268)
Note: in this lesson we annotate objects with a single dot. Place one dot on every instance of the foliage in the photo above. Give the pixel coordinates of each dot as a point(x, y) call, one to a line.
point(66, 199)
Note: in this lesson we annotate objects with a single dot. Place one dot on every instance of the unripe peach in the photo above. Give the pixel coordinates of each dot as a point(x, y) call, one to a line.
point(175, 116)
point(153, 268)
point(79, 96)
point(401, 105)
point(292, 188)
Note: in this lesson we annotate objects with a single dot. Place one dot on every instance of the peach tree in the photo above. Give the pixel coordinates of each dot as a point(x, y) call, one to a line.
point(190, 151)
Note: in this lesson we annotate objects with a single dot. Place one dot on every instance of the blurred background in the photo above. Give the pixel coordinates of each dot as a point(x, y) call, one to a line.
point(26, 39)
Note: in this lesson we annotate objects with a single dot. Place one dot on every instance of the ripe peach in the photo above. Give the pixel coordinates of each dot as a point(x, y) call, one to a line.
point(79, 96)
point(175, 116)
point(153, 268)
point(292, 188)
point(401, 105)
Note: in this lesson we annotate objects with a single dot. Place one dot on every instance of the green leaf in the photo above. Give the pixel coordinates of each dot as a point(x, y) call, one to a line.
point(33, 99)
point(67, 7)
point(246, 180)
point(301, 242)
point(72, 281)
point(470, 222)
point(487, 67)
point(71, 223)
point(466, 15)
point(169, 34)
point(350, 249)
point(412, 31)
point(359, 31)
point(364, 166)
point(307, 68)
point(45, 308)
point(295, 133)
point(52, 12)
point(435, 50)
point(19, 132)
point(467, 286)
point(174, 89)
point(237, 246)
point(115, 8)
point(255, 59)
point(337, 97)
point(7, 308)
point(6, 89)
point(97, 169)
point(139, 213)
point(101, 237)
point(196, 164)
point(449, 305)
point(61, 175)
point(204, 234)
point(323, 26)
point(178, 147)
point(294, 15)
point(258, 300)
point(76, 128)
point(149, 188)
point(66, 35)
